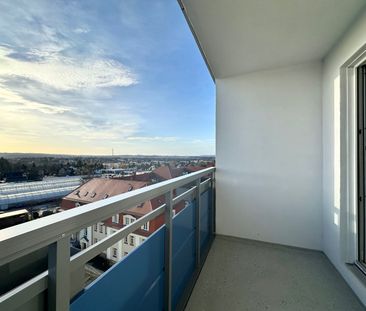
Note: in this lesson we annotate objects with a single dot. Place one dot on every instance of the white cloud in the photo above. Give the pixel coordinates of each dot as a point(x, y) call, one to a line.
point(82, 30)
point(66, 73)
point(11, 97)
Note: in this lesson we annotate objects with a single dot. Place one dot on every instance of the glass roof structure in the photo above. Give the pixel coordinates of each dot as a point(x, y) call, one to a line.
point(15, 194)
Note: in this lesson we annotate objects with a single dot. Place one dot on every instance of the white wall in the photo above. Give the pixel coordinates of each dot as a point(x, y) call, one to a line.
point(268, 152)
point(354, 39)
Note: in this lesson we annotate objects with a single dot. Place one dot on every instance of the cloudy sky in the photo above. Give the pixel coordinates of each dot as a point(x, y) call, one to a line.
point(83, 77)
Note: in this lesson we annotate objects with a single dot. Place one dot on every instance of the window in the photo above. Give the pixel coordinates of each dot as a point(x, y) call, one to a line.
point(126, 240)
point(95, 240)
point(145, 227)
point(132, 240)
point(95, 228)
point(101, 228)
point(142, 240)
point(127, 219)
point(361, 165)
point(125, 253)
point(114, 252)
point(115, 218)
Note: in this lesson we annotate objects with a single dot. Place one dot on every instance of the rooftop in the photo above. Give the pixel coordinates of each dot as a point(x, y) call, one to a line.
point(101, 188)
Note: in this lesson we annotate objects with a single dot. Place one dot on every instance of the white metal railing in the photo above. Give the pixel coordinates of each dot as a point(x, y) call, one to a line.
point(54, 232)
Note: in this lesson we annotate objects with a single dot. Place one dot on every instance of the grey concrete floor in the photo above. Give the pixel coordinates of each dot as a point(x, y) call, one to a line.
point(248, 275)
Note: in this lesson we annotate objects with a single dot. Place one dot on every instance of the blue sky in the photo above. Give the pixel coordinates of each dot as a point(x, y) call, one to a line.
point(83, 77)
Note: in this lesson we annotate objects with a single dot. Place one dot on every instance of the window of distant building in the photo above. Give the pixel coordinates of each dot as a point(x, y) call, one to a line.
point(126, 240)
point(95, 240)
point(145, 227)
point(128, 219)
point(115, 218)
point(114, 252)
point(95, 228)
point(101, 228)
point(125, 253)
point(132, 240)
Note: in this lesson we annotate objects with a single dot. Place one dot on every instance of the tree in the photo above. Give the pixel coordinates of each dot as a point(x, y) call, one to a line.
point(5, 167)
point(33, 173)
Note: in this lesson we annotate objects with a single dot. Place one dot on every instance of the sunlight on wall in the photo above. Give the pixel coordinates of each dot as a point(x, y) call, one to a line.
point(336, 151)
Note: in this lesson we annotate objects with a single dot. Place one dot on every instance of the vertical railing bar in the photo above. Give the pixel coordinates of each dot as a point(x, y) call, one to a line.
point(198, 223)
point(168, 249)
point(213, 202)
point(59, 275)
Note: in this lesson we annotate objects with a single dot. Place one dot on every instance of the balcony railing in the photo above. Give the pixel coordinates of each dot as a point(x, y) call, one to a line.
point(158, 275)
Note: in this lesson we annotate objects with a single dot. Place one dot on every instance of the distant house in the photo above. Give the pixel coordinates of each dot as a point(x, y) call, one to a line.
point(101, 188)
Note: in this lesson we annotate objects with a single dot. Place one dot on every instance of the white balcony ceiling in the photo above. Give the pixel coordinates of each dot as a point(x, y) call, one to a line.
point(240, 36)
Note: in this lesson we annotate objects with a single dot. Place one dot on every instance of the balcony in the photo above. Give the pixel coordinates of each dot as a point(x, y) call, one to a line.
point(161, 273)
point(275, 226)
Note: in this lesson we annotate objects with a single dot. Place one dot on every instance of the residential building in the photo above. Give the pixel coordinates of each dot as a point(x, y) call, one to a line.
point(98, 189)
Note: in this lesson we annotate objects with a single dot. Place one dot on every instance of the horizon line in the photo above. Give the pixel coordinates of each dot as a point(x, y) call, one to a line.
point(100, 155)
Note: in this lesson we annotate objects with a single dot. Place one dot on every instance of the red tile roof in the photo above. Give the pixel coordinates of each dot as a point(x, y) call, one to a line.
point(192, 168)
point(167, 172)
point(101, 188)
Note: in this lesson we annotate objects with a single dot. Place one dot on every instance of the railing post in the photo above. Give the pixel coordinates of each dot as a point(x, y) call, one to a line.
point(168, 249)
point(198, 223)
point(59, 275)
point(213, 202)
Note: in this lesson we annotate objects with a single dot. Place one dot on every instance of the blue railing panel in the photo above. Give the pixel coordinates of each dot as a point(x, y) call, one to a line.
point(206, 219)
point(135, 283)
point(183, 251)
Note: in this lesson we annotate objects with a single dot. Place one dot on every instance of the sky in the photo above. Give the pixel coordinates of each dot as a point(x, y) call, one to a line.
point(86, 77)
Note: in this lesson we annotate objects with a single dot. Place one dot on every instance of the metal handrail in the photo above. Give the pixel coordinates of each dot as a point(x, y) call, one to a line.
point(25, 238)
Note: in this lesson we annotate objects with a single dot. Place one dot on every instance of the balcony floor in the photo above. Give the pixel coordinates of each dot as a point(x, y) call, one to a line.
point(248, 275)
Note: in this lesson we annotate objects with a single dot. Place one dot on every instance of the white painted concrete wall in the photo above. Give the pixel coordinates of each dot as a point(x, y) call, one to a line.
point(269, 171)
point(354, 39)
